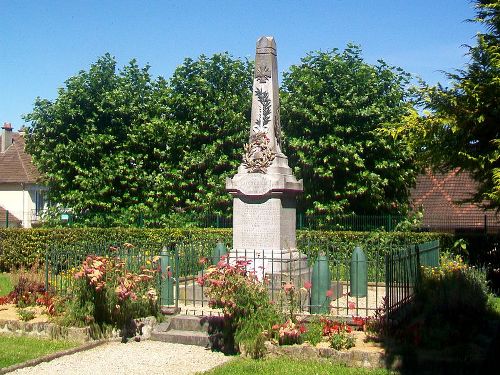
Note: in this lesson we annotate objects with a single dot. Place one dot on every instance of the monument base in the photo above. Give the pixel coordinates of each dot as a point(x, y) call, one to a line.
point(282, 265)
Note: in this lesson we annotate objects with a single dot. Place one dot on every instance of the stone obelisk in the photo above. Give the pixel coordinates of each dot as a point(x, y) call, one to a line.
point(264, 189)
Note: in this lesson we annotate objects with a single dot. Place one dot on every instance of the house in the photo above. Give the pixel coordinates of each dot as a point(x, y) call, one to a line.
point(443, 199)
point(22, 195)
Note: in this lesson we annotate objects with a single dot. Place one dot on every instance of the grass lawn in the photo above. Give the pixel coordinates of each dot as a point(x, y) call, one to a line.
point(288, 366)
point(495, 304)
point(5, 284)
point(15, 350)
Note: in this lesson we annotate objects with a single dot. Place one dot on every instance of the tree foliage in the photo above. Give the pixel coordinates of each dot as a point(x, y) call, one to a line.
point(93, 143)
point(461, 124)
point(209, 114)
point(116, 142)
point(333, 105)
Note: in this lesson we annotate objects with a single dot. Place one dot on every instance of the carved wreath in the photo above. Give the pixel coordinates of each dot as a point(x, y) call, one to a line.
point(258, 155)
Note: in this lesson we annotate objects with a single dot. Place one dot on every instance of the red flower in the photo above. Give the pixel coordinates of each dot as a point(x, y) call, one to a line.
point(308, 285)
point(329, 293)
point(357, 320)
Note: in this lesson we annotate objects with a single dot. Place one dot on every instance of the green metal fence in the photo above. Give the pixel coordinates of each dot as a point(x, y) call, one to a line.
point(403, 272)
point(355, 285)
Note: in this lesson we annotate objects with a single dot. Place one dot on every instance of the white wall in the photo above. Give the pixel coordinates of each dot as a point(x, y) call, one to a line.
point(16, 199)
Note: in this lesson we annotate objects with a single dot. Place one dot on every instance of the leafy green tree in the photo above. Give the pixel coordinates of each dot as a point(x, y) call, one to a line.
point(333, 106)
point(95, 142)
point(462, 125)
point(116, 143)
point(210, 103)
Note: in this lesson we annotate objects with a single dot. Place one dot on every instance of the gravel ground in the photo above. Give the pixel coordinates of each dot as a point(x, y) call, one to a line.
point(146, 357)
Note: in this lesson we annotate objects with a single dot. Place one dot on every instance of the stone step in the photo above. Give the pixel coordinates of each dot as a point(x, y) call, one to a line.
point(182, 337)
point(188, 323)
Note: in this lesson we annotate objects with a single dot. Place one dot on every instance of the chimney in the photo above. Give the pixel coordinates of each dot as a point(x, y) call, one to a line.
point(6, 136)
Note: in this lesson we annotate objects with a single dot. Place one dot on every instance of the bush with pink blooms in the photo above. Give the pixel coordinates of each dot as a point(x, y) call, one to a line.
point(251, 318)
point(248, 312)
point(104, 292)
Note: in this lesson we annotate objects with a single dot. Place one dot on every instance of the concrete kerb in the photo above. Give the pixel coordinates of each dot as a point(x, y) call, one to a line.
point(52, 331)
point(52, 356)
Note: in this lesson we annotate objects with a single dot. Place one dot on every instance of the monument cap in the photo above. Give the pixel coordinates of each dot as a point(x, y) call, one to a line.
point(266, 44)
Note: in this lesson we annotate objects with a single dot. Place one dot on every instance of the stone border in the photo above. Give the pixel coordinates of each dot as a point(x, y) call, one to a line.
point(52, 356)
point(352, 358)
point(48, 330)
point(44, 330)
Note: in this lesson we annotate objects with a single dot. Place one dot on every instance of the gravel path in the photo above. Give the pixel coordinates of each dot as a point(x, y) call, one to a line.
point(146, 357)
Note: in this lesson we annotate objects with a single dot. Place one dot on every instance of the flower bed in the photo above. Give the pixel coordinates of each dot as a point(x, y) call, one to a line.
point(103, 296)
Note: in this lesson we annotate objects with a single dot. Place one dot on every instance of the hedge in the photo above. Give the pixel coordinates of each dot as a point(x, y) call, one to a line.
point(25, 247)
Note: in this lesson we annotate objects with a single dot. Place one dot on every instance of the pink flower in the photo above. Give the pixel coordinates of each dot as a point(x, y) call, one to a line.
point(351, 305)
point(288, 287)
point(308, 285)
point(329, 293)
point(200, 280)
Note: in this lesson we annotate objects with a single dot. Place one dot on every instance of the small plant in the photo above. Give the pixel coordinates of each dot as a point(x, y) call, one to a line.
point(289, 333)
point(25, 314)
point(339, 334)
point(341, 340)
point(313, 333)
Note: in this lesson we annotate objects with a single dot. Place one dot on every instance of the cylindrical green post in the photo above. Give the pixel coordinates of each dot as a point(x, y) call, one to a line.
point(167, 282)
point(321, 283)
point(219, 251)
point(359, 273)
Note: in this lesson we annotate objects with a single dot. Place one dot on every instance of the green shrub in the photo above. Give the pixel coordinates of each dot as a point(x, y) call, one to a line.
point(451, 302)
point(24, 247)
point(25, 314)
point(244, 301)
point(314, 332)
point(105, 292)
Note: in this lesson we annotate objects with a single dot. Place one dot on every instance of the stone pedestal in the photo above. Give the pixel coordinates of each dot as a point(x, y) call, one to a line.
point(264, 189)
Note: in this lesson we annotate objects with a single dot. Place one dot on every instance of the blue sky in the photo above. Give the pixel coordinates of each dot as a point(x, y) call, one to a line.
point(42, 43)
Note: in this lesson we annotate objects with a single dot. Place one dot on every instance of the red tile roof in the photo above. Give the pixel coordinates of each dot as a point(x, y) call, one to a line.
point(16, 165)
point(13, 221)
point(442, 196)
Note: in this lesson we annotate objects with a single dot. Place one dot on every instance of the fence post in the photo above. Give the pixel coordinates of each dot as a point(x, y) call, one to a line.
point(321, 283)
point(167, 286)
point(6, 218)
point(359, 273)
point(388, 274)
point(140, 220)
point(417, 253)
point(219, 250)
point(300, 221)
point(389, 221)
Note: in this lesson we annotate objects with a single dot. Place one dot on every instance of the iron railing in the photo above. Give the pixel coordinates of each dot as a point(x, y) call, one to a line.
point(403, 273)
point(390, 271)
